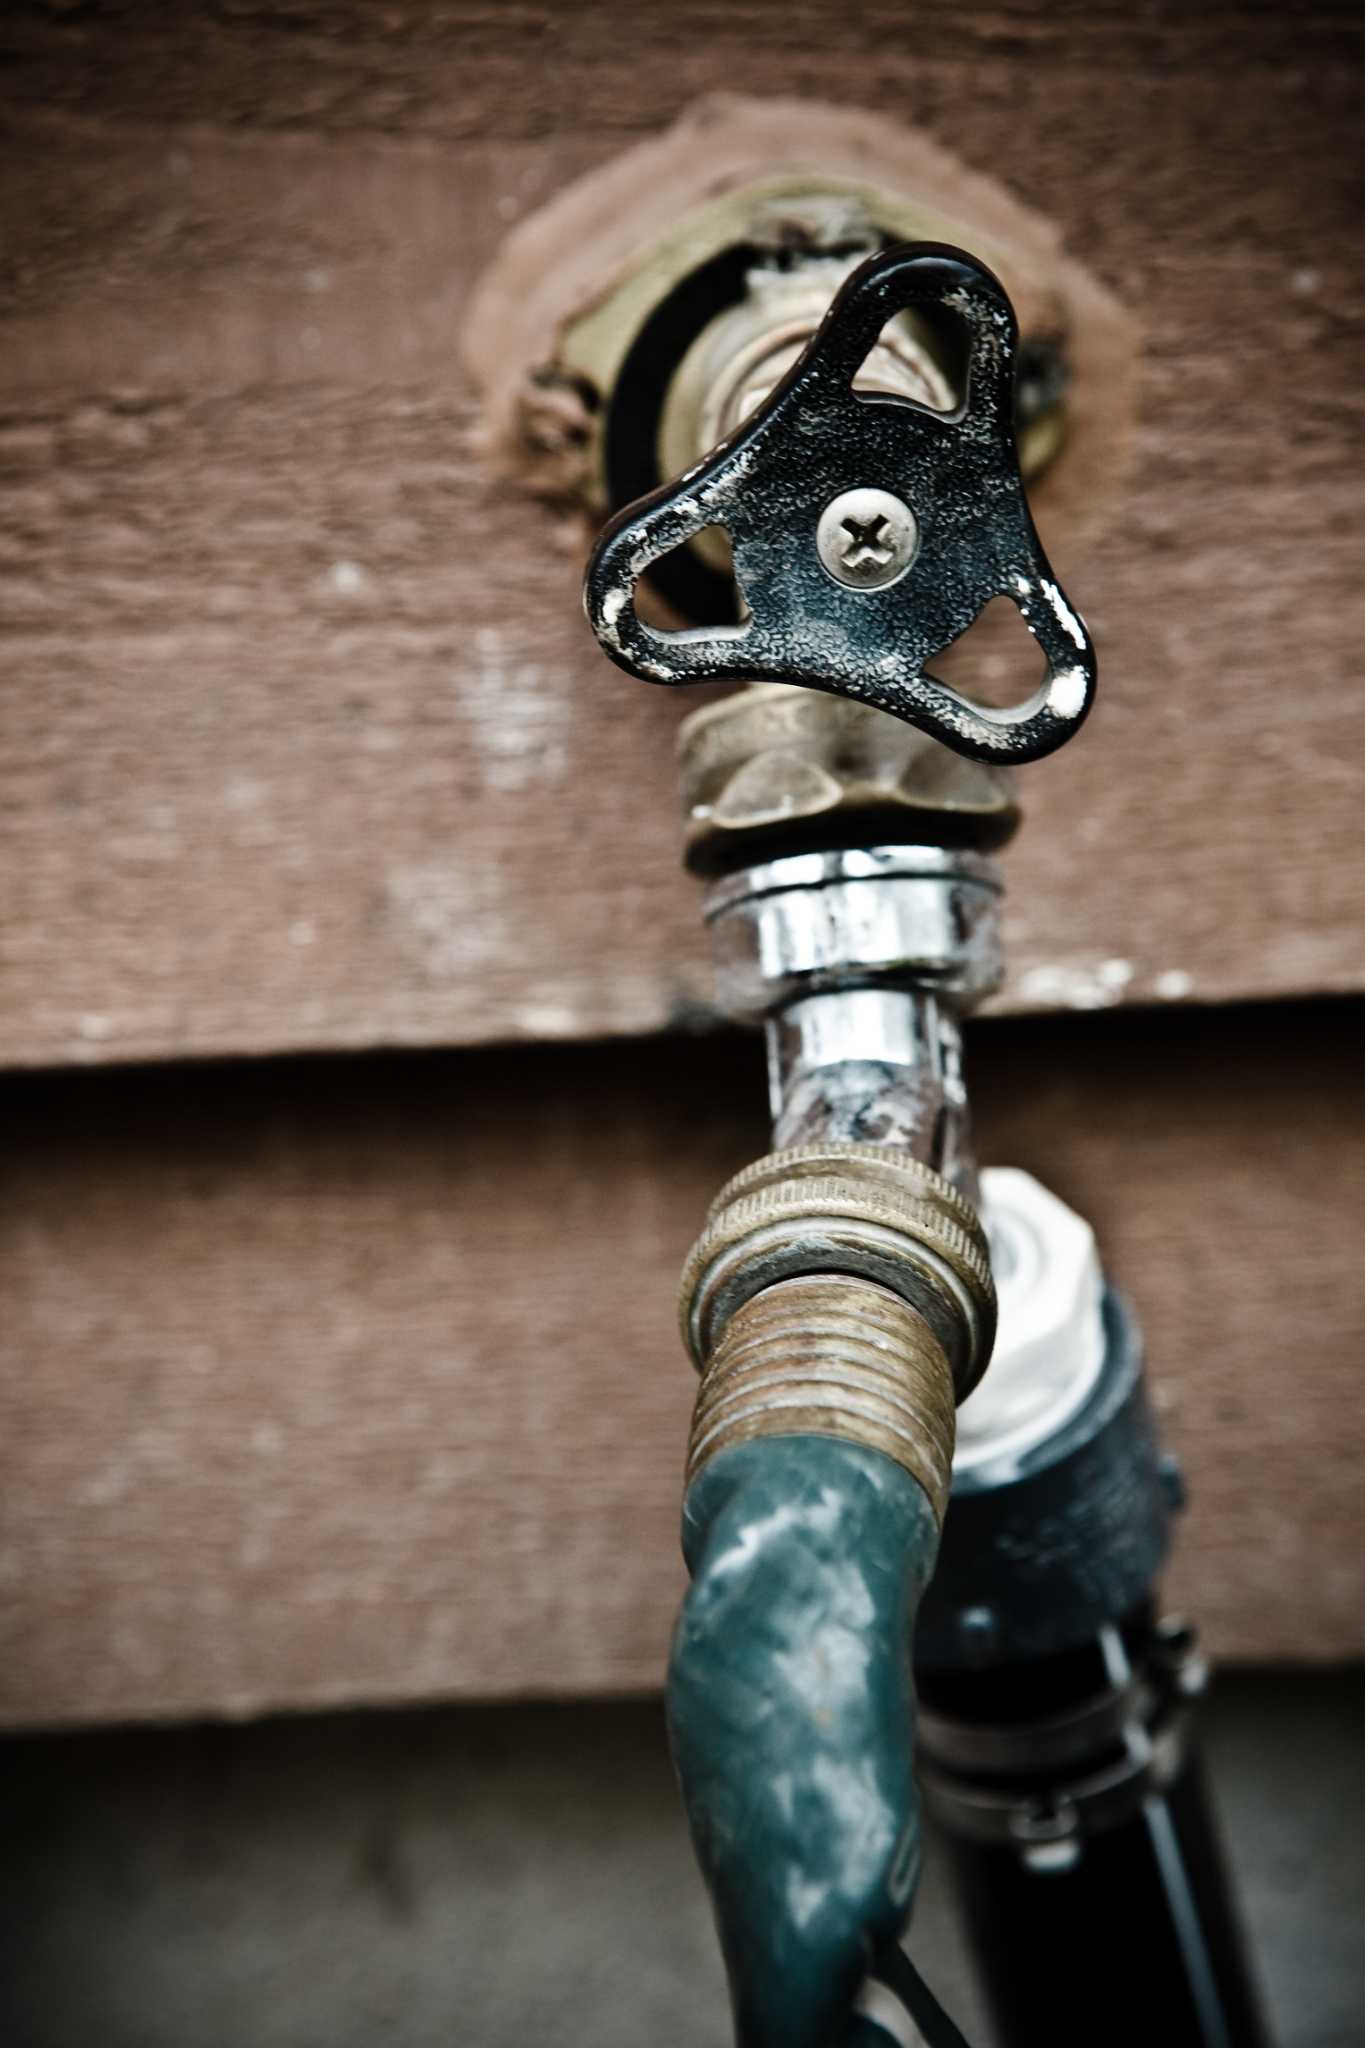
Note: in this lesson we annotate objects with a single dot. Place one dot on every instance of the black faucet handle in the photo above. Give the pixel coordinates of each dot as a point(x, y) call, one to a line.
point(868, 531)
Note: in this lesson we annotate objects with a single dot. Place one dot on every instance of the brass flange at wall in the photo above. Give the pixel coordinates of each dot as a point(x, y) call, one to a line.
point(617, 328)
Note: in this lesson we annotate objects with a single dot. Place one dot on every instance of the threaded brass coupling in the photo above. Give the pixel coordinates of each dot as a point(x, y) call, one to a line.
point(838, 1290)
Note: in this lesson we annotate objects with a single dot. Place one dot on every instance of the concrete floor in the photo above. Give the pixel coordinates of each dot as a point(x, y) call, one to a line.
point(502, 1877)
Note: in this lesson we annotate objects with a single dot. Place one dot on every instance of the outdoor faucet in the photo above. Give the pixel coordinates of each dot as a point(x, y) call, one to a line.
point(840, 1303)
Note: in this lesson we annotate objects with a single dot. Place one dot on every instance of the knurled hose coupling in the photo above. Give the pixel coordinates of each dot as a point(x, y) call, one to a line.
point(838, 1290)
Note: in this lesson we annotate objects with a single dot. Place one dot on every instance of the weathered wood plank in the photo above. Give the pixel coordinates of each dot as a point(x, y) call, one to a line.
point(358, 1380)
point(305, 744)
point(480, 66)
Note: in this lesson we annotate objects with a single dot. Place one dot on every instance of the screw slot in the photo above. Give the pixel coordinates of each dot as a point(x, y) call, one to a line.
point(866, 539)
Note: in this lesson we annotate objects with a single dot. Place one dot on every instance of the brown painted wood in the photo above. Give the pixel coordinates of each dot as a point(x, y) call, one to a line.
point(304, 743)
point(357, 1379)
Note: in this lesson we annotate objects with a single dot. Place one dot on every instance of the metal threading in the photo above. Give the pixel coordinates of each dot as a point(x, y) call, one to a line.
point(880, 1165)
point(865, 1211)
point(831, 1355)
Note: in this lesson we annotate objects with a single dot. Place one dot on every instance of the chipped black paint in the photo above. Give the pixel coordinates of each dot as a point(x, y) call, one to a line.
point(814, 438)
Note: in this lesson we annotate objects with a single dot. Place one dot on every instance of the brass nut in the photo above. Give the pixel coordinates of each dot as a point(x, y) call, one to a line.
point(884, 1164)
point(864, 1211)
point(777, 764)
point(830, 1355)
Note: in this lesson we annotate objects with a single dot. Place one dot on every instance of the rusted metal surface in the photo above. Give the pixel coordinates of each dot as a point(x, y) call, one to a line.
point(861, 963)
point(873, 1066)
